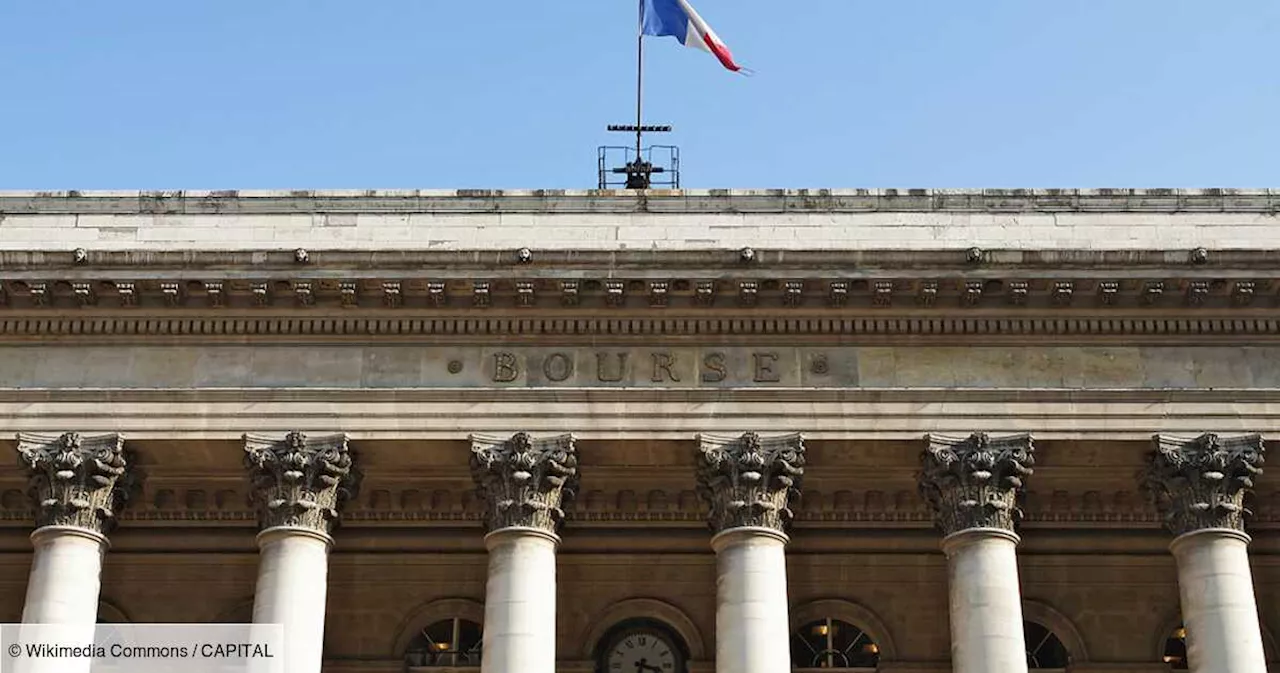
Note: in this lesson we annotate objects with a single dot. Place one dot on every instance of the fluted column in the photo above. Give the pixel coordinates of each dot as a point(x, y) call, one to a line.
point(299, 487)
point(77, 484)
point(525, 483)
point(972, 484)
point(1199, 484)
point(748, 482)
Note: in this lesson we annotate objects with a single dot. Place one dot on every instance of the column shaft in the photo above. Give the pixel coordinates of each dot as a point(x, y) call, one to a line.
point(300, 486)
point(1199, 486)
point(292, 586)
point(752, 631)
point(66, 577)
point(525, 483)
point(986, 606)
point(520, 602)
point(1218, 606)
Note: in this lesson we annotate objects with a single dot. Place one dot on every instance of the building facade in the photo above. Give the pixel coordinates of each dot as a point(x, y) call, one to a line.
point(577, 432)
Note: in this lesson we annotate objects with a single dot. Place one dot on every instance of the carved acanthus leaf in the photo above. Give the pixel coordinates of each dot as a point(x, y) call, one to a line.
point(300, 481)
point(525, 482)
point(1200, 482)
point(750, 480)
point(975, 481)
point(76, 480)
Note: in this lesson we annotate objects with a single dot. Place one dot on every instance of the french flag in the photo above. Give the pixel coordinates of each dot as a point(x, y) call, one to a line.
point(679, 20)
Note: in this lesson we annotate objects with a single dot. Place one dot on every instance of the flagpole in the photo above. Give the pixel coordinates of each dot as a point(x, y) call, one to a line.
point(639, 82)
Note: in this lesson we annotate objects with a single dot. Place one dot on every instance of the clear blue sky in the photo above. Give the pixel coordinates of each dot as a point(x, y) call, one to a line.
point(274, 94)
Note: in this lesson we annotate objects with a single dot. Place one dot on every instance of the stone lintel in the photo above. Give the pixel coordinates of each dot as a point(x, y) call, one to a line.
point(1200, 482)
point(748, 480)
point(975, 481)
point(80, 481)
point(525, 481)
point(300, 481)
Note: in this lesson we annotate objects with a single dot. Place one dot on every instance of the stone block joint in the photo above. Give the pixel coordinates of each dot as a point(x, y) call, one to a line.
point(76, 480)
point(300, 481)
point(525, 482)
point(1201, 482)
point(749, 480)
point(975, 481)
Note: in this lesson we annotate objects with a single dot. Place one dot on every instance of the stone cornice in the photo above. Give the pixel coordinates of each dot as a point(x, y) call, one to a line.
point(656, 201)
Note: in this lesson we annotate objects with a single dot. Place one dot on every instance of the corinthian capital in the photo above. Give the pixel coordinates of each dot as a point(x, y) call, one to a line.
point(975, 481)
point(1200, 482)
point(749, 480)
point(300, 481)
point(76, 480)
point(525, 482)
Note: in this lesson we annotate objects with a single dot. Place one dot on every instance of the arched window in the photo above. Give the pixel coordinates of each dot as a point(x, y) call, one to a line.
point(1044, 649)
point(448, 642)
point(833, 644)
point(1175, 650)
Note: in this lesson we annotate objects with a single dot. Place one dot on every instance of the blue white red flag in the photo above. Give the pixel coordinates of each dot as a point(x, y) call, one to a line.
point(677, 19)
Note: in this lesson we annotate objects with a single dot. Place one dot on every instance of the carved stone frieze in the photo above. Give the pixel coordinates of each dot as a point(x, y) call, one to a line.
point(1201, 482)
point(975, 481)
point(525, 482)
point(76, 480)
point(300, 481)
point(749, 480)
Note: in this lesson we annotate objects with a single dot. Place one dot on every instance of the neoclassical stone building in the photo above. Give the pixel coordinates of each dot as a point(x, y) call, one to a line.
point(578, 432)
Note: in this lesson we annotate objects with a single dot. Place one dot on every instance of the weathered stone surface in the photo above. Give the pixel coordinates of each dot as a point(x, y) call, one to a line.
point(749, 480)
point(691, 219)
point(525, 482)
point(659, 366)
point(77, 480)
point(975, 481)
point(300, 481)
point(1201, 482)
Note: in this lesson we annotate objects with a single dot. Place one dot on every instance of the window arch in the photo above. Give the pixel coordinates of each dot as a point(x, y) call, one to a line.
point(454, 642)
point(1044, 649)
point(829, 643)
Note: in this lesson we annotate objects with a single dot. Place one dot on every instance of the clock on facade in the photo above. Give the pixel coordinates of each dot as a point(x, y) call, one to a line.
point(642, 650)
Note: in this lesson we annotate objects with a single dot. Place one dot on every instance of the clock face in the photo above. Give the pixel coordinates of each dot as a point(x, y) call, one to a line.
point(641, 652)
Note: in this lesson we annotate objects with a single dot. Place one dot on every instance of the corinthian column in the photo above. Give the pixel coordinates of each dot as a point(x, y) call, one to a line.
point(747, 482)
point(77, 484)
point(525, 483)
point(972, 485)
point(1199, 484)
point(300, 484)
